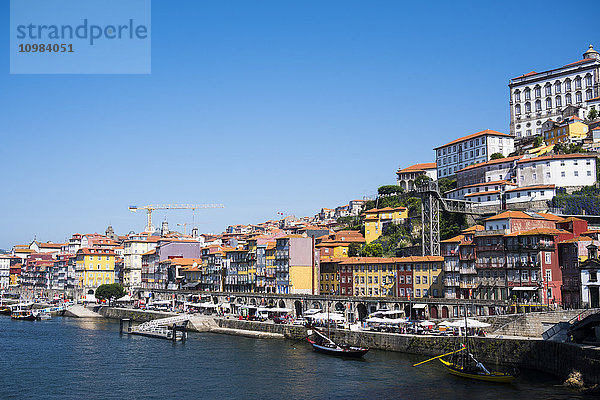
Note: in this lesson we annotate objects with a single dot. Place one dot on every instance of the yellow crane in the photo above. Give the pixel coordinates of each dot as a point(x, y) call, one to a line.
point(152, 207)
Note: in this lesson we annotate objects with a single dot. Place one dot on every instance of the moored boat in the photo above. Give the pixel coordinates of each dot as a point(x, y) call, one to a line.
point(477, 371)
point(323, 344)
point(26, 315)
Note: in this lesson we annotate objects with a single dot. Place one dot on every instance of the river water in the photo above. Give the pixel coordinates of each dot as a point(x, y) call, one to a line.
point(83, 359)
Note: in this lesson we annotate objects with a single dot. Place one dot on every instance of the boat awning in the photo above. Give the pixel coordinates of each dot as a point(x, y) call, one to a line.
point(419, 306)
point(524, 288)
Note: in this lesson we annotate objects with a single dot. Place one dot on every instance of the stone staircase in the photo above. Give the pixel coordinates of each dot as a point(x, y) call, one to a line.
point(534, 324)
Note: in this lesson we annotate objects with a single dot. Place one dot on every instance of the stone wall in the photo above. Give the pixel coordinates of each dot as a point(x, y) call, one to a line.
point(134, 315)
point(532, 324)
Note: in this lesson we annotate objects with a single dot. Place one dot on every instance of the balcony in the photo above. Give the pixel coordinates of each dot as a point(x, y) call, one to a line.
point(486, 265)
point(490, 247)
point(466, 257)
point(464, 285)
point(451, 268)
point(468, 271)
point(451, 282)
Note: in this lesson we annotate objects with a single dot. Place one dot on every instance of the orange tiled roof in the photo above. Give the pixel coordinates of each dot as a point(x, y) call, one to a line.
point(554, 157)
point(474, 228)
point(571, 219)
point(511, 214)
point(474, 135)
point(517, 189)
point(455, 239)
point(577, 239)
point(537, 231)
point(491, 162)
point(418, 167)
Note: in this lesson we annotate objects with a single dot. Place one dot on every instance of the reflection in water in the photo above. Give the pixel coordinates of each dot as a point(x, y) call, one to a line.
point(88, 359)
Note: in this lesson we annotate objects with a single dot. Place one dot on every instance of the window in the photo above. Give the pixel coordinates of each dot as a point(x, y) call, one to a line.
point(528, 107)
point(588, 94)
point(548, 275)
point(547, 174)
point(548, 103)
point(589, 173)
point(562, 174)
point(527, 94)
point(576, 173)
point(517, 95)
point(418, 292)
point(548, 257)
point(525, 275)
point(558, 101)
point(424, 280)
point(417, 280)
point(588, 81)
point(593, 276)
point(578, 83)
point(578, 97)
point(568, 84)
point(568, 99)
point(548, 89)
point(537, 91)
point(538, 105)
point(557, 87)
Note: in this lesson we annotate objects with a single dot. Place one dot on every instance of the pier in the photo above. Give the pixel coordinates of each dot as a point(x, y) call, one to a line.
point(170, 328)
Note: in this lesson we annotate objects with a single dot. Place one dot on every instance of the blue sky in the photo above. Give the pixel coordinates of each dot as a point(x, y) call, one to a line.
point(265, 106)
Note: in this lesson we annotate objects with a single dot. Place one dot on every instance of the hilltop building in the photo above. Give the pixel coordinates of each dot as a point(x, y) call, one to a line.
point(538, 96)
point(472, 149)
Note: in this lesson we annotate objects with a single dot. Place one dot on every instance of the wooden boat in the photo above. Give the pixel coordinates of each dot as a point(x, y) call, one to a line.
point(323, 344)
point(44, 315)
point(477, 372)
point(26, 315)
point(464, 364)
point(5, 310)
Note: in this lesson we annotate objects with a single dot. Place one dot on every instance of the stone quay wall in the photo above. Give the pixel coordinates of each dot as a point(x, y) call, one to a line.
point(558, 359)
point(555, 358)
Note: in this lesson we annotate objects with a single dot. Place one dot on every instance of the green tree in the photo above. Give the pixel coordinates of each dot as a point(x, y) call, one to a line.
point(354, 249)
point(110, 292)
point(372, 250)
point(537, 142)
point(389, 190)
point(496, 156)
point(421, 179)
point(446, 184)
point(592, 115)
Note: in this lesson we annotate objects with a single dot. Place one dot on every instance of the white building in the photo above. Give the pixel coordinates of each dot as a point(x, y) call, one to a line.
point(406, 176)
point(4, 272)
point(472, 149)
point(133, 248)
point(536, 97)
point(590, 286)
point(563, 170)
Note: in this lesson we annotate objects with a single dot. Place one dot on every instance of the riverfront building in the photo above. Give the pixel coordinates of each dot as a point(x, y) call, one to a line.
point(538, 96)
point(94, 267)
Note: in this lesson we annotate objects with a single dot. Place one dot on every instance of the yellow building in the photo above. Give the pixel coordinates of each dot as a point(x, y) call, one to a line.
point(372, 276)
point(270, 268)
point(329, 275)
point(94, 267)
point(571, 128)
point(377, 219)
point(337, 244)
point(427, 275)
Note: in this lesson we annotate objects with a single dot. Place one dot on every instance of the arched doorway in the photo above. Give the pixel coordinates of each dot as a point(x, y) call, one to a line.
point(298, 307)
point(407, 311)
point(316, 305)
point(362, 311)
point(271, 303)
point(444, 312)
point(433, 312)
point(281, 304)
point(91, 291)
point(253, 301)
point(339, 307)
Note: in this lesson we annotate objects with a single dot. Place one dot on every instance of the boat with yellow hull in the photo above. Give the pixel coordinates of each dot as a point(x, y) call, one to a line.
point(498, 377)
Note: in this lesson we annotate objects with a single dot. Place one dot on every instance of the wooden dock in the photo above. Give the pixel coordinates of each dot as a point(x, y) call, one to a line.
point(172, 328)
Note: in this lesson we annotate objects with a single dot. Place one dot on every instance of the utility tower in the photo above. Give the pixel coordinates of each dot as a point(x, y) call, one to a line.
point(152, 207)
point(431, 202)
